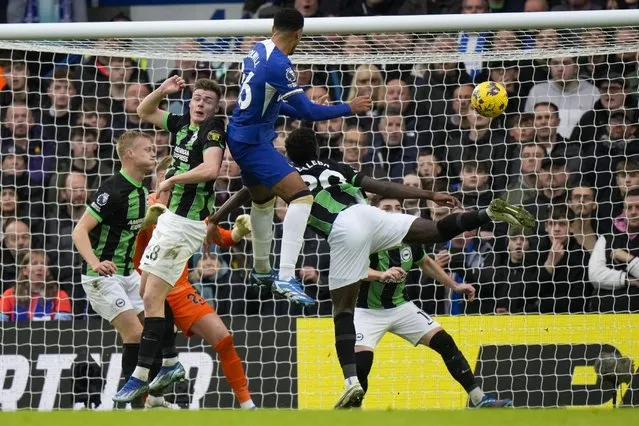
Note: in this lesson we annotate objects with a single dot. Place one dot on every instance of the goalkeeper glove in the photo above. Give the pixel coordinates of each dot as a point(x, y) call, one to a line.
point(152, 215)
point(241, 228)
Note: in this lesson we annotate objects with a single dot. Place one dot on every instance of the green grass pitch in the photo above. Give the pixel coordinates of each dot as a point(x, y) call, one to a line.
point(488, 417)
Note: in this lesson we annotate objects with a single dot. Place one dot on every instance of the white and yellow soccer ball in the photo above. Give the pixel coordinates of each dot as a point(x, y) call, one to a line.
point(489, 99)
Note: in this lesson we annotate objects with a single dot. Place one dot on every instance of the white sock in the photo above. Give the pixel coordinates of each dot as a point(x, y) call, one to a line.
point(351, 380)
point(247, 405)
point(476, 395)
point(167, 362)
point(141, 373)
point(293, 237)
point(262, 235)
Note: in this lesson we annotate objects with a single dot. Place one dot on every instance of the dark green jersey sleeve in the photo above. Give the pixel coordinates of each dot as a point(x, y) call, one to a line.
point(105, 202)
point(174, 122)
point(418, 253)
point(213, 134)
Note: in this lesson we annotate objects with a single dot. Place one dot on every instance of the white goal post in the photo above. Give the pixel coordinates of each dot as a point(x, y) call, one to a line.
point(555, 347)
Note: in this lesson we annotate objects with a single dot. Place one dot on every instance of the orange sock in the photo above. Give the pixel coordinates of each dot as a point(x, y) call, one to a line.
point(233, 370)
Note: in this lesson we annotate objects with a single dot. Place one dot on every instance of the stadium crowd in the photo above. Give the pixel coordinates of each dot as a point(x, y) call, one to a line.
point(566, 148)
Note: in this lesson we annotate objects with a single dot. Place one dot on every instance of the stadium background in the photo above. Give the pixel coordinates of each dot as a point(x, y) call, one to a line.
point(544, 356)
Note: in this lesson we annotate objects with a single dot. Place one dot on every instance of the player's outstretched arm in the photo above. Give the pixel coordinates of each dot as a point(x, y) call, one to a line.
point(149, 110)
point(436, 272)
point(392, 275)
point(82, 242)
point(300, 107)
point(397, 190)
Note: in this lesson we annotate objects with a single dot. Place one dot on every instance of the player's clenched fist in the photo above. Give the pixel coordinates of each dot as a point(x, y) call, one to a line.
point(172, 85)
point(393, 275)
point(242, 227)
point(361, 104)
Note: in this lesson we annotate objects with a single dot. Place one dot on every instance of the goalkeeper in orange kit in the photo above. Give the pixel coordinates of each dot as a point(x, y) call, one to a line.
point(192, 314)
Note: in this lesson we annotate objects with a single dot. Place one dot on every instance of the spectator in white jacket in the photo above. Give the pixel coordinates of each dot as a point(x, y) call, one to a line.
point(613, 269)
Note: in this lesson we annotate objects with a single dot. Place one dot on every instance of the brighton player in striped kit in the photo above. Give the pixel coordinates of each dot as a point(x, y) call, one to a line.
point(382, 307)
point(197, 156)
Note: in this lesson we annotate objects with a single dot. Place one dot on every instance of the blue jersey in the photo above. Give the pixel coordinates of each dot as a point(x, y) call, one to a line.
point(268, 79)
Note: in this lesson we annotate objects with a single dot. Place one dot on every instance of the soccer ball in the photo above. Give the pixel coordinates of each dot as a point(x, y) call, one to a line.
point(489, 99)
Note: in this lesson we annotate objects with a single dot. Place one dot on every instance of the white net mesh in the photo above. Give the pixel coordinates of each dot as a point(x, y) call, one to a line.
point(571, 162)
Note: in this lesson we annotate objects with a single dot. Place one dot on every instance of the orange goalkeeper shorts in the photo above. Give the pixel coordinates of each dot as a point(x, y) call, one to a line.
point(187, 305)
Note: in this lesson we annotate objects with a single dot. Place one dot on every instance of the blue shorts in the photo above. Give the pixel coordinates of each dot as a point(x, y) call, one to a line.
point(261, 164)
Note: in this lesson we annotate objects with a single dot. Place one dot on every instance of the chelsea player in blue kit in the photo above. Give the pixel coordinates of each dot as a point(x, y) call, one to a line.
point(268, 80)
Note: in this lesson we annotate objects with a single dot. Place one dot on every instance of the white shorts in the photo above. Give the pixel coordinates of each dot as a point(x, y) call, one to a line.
point(358, 232)
point(174, 240)
point(110, 296)
point(406, 321)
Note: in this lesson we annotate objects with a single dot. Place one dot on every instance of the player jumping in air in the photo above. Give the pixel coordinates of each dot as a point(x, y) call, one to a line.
point(354, 230)
point(192, 314)
point(269, 79)
point(382, 307)
point(105, 237)
point(197, 156)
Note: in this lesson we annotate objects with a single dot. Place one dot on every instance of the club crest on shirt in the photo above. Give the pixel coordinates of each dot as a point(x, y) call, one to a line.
point(102, 199)
point(214, 136)
point(290, 74)
point(405, 254)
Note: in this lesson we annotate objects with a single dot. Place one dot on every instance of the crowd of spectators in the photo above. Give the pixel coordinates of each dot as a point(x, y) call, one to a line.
point(566, 149)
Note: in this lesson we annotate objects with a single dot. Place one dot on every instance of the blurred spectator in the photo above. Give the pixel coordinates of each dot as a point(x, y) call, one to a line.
point(460, 105)
point(572, 96)
point(129, 119)
point(430, 170)
point(385, 7)
point(480, 142)
point(209, 269)
point(598, 66)
point(58, 114)
point(561, 271)
point(367, 81)
point(547, 123)
point(308, 8)
point(12, 206)
point(16, 241)
point(574, 5)
point(71, 203)
point(83, 159)
point(474, 43)
point(20, 133)
point(614, 266)
point(394, 150)
point(354, 150)
point(582, 202)
point(627, 61)
point(513, 293)
point(32, 11)
point(521, 130)
point(523, 186)
point(536, 6)
point(162, 141)
point(228, 181)
point(626, 178)
point(553, 189)
point(20, 85)
point(229, 100)
point(593, 124)
point(411, 206)
point(507, 73)
point(473, 189)
point(187, 69)
point(36, 295)
point(398, 96)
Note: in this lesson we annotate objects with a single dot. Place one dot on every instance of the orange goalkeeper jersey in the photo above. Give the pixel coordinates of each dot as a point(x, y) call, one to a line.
point(144, 236)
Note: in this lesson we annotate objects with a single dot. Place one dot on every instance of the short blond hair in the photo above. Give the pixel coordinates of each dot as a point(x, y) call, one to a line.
point(126, 140)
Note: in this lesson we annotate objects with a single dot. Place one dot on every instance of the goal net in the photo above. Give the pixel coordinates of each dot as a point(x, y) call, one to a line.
point(553, 323)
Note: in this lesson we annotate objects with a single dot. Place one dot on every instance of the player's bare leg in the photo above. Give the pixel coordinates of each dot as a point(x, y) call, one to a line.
point(294, 191)
point(344, 301)
point(211, 328)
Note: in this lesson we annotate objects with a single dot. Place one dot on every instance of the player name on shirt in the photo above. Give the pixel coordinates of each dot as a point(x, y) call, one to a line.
point(119, 206)
point(379, 295)
point(193, 201)
point(335, 187)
